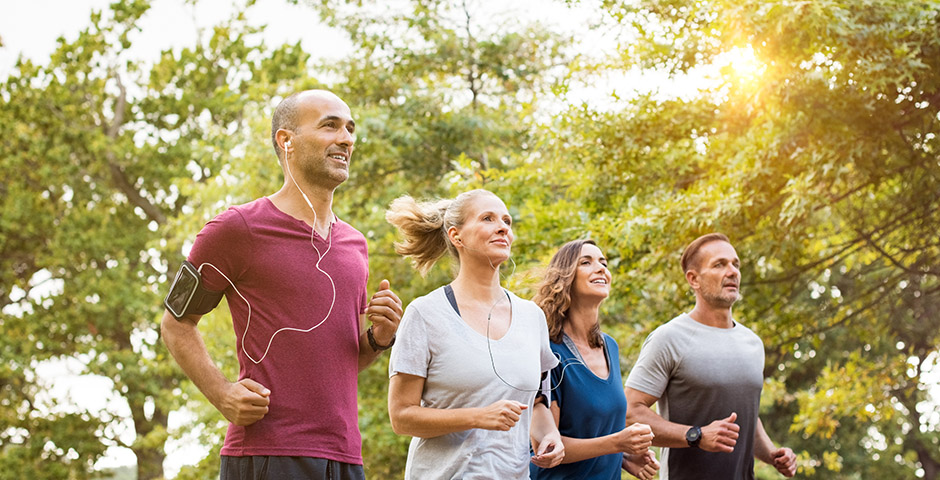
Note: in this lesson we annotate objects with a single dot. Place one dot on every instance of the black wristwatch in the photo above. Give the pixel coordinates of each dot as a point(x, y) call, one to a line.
point(693, 436)
point(375, 345)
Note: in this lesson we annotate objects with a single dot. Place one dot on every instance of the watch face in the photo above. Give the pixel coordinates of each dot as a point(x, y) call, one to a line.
point(693, 435)
point(182, 290)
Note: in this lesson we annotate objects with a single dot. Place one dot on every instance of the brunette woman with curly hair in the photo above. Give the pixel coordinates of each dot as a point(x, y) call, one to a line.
point(588, 402)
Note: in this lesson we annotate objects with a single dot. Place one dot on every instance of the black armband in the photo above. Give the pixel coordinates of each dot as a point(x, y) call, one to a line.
point(187, 296)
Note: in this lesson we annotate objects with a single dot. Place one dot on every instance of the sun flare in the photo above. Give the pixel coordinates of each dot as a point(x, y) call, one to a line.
point(741, 64)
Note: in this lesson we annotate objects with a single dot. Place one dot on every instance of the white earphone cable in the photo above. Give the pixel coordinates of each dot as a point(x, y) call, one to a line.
point(489, 346)
point(320, 257)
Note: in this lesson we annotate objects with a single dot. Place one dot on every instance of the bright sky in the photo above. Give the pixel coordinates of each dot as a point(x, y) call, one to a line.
point(31, 29)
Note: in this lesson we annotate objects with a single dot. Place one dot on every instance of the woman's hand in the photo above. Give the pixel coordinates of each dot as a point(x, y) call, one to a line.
point(635, 439)
point(500, 415)
point(643, 466)
point(551, 451)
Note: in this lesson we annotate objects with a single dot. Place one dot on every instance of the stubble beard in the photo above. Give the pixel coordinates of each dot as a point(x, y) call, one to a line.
point(723, 300)
point(323, 172)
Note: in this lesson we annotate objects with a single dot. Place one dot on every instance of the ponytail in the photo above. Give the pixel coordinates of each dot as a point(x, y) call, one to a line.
point(422, 228)
point(424, 225)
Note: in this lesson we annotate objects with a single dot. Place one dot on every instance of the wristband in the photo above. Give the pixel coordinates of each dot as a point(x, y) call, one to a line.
point(375, 345)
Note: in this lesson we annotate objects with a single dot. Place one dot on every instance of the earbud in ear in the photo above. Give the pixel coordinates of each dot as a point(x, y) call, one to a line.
point(457, 238)
point(287, 143)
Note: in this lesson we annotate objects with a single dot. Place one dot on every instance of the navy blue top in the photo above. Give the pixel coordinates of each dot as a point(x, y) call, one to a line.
point(590, 407)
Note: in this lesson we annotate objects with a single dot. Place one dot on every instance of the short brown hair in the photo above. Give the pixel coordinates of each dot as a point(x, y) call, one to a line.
point(690, 255)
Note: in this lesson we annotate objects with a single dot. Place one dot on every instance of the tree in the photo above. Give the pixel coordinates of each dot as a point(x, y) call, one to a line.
point(103, 156)
point(820, 162)
point(128, 126)
point(822, 167)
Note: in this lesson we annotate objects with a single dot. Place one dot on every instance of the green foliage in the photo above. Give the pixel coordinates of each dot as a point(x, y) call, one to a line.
point(444, 97)
point(106, 161)
point(822, 167)
point(820, 163)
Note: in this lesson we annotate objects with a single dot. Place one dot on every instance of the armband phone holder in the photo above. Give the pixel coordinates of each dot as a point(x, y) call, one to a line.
point(188, 296)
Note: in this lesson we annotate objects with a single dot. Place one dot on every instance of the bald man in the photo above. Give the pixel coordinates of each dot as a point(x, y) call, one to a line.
point(294, 276)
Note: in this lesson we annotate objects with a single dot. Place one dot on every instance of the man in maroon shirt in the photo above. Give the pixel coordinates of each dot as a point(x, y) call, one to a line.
point(294, 276)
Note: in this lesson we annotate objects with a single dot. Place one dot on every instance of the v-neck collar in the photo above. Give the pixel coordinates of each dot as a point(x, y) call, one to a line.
point(577, 354)
point(448, 291)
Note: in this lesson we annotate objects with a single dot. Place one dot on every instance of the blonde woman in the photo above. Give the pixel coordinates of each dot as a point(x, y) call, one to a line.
point(588, 403)
point(469, 355)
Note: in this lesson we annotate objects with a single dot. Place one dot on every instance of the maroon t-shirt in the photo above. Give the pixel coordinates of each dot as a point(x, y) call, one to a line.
point(312, 375)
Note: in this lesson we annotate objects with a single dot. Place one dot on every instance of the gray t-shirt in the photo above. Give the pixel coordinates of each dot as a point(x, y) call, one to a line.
point(701, 374)
point(435, 343)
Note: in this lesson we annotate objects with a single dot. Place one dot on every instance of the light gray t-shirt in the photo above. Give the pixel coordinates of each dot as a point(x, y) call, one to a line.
point(701, 374)
point(435, 343)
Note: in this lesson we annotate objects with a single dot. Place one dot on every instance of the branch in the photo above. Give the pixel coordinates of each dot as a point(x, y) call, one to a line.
point(121, 182)
point(847, 246)
point(801, 269)
point(844, 319)
point(897, 263)
point(471, 47)
point(118, 177)
point(120, 107)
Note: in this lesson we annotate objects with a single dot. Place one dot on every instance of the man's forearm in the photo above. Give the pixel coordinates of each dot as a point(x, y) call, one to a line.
point(184, 342)
point(666, 433)
point(366, 354)
point(763, 445)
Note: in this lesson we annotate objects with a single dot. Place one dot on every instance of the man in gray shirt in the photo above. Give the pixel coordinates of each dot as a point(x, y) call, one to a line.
point(705, 370)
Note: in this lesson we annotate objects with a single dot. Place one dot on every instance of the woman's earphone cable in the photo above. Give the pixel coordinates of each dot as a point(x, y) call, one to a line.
point(489, 346)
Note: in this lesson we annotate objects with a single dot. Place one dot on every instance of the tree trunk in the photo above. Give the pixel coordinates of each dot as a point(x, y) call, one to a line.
point(150, 454)
point(149, 463)
point(930, 465)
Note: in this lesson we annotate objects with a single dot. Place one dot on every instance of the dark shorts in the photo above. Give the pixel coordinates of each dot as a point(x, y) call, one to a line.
point(276, 468)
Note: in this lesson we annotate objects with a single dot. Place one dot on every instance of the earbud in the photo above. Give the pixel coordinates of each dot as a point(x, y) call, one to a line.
point(457, 238)
point(287, 143)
